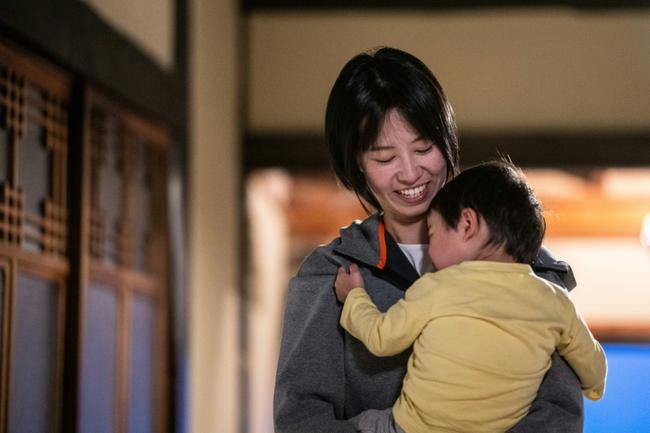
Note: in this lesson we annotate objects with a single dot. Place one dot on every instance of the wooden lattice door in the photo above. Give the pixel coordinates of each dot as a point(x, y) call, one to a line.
point(83, 257)
point(34, 265)
point(123, 385)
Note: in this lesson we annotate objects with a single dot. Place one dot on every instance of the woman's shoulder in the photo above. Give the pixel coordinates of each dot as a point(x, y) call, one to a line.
point(551, 269)
point(312, 285)
point(321, 260)
point(353, 242)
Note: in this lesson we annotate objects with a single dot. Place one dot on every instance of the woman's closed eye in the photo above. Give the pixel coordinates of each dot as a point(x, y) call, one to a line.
point(424, 149)
point(382, 156)
point(385, 160)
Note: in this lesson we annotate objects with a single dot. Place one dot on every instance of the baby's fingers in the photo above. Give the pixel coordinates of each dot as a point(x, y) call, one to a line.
point(355, 276)
point(342, 277)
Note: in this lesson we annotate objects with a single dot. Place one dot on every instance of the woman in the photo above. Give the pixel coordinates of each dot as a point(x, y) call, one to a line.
point(392, 140)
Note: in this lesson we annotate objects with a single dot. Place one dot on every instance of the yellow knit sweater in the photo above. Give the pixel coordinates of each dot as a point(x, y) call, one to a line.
point(482, 334)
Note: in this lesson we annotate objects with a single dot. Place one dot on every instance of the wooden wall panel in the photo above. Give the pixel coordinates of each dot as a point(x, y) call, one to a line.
point(34, 126)
point(82, 205)
point(34, 100)
point(127, 244)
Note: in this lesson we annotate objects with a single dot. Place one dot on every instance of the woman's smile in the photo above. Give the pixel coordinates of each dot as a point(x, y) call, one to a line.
point(414, 194)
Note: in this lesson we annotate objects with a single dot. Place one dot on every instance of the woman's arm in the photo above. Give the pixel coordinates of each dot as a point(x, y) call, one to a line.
point(558, 407)
point(310, 382)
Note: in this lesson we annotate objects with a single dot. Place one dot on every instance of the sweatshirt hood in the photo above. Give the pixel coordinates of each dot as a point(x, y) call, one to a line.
point(368, 242)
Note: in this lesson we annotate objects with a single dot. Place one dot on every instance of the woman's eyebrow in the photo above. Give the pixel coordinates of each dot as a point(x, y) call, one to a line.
point(378, 148)
point(420, 138)
point(389, 147)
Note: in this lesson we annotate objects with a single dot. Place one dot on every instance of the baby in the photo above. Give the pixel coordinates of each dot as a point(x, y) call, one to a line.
point(484, 326)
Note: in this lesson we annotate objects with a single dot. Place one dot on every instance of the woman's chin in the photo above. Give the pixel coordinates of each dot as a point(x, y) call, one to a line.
point(409, 212)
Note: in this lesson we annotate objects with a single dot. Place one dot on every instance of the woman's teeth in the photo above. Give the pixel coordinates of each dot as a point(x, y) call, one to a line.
point(412, 192)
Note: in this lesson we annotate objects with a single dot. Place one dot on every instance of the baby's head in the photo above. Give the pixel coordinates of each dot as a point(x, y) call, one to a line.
point(487, 212)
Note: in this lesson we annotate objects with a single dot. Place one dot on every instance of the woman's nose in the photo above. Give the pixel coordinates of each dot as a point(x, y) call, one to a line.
point(409, 171)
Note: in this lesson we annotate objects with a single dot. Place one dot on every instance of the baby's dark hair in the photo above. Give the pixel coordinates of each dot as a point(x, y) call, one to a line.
point(499, 194)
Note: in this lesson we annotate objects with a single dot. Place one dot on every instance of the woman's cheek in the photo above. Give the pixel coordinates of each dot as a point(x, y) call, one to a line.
point(380, 175)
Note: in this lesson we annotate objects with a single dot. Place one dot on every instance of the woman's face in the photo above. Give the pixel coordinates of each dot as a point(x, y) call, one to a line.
point(403, 171)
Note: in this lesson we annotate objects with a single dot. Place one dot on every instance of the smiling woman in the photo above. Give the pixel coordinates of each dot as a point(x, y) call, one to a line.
point(392, 140)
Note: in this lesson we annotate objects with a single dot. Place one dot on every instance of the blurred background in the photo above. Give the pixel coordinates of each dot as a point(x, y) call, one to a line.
point(163, 173)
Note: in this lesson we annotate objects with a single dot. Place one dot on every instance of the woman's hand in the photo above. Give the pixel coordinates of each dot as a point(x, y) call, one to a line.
point(347, 281)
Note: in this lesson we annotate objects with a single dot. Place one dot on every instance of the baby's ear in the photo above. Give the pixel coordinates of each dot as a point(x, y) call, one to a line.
point(469, 223)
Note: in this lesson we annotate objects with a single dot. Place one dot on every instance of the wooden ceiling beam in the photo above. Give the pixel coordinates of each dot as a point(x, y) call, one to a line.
point(567, 150)
point(306, 5)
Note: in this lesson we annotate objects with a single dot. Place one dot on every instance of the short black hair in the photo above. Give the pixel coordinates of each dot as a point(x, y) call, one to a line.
point(368, 86)
point(499, 194)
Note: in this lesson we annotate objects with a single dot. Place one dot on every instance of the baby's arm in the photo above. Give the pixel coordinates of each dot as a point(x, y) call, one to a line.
point(388, 333)
point(585, 355)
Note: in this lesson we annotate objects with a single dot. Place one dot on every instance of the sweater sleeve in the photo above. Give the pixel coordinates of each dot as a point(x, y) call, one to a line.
point(310, 380)
point(558, 407)
point(583, 352)
point(394, 331)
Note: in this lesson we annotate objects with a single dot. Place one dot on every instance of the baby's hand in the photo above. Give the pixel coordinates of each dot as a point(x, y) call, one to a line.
point(346, 282)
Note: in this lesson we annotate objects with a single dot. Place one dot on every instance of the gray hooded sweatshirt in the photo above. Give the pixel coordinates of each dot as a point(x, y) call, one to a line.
point(326, 376)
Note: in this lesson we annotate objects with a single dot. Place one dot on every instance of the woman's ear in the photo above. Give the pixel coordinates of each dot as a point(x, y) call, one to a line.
point(469, 223)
